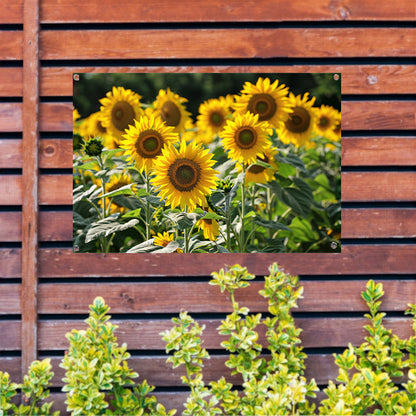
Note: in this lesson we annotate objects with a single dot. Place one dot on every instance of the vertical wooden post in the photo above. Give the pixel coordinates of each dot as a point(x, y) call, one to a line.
point(30, 181)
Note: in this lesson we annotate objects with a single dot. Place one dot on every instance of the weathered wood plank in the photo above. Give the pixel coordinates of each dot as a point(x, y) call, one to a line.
point(361, 259)
point(30, 182)
point(11, 44)
point(14, 335)
point(11, 11)
point(378, 151)
point(11, 117)
point(378, 186)
point(378, 223)
point(10, 299)
point(356, 79)
point(226, 43)
point(395, 115)
point(355, 186)
point(356, 223)
point(145, 334)
point(222, 11)
point(53, 153)
point(199, 297)
point(11, 79)
point(356, 151)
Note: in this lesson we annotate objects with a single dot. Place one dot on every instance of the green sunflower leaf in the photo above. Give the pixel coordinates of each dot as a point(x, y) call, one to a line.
point(108, 226)
point(271, 224)
point(124, 190)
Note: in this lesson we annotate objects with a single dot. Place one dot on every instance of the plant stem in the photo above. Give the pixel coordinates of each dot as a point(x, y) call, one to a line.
point(148, 220)
point(243, 210)
point(101, 165)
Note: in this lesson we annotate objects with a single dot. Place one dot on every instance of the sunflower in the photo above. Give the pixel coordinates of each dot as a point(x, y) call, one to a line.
point(213, 114)
point(246, 137)
point(298, 128)
point(171, 109)
point(210, 227)
point(164, 239)
point(268, 101)
point(119, 109)
point(261, 174)
point(116, 182)
point(337, 127)
point(185, 176)
point(75, 117)
point(326, 120)
point(92, 127)
point(144, 141)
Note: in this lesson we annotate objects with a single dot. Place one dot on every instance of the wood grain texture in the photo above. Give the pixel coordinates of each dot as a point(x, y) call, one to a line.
point(361, 259)
point(356, 151)
point(10, 299)
point(30, 182)
point(399, 115)
point(11, 44)
point(360, 223)
point(378, 186)
point(229, 43)
point(145, 334)
point(11, 80)
point(11, 117)
point(199, 297)
point(378, 223)
point(11, 11)
point(222, 11)
point(13, 341)
point(355, 186)
point(378, 151)
point(356, 79)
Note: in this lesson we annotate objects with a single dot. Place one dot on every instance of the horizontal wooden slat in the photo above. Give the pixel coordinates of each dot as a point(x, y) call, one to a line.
point(356, 79)
point(354, 259)
point(11, 117)
point(226, 43)
point(398, 115)
point(11, 11)
point(53, 153)
point(355, 186)
point(356, 151)
point(378, 151)
point(11, 45)
point(201, 297)
point(378, 223)
point(356, 223)
point(145, 334)
point(378, 186)
point(11, 80)
point(10, 299)
point(221, 11)
point(11, 342)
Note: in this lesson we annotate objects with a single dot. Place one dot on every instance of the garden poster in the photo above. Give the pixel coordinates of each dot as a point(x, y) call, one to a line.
point(206, 163)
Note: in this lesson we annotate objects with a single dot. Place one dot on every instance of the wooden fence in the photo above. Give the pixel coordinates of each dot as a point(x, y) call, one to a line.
point(45, 288)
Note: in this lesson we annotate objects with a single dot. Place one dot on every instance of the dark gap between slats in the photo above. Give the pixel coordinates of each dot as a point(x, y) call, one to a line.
point(10, 135)
point(11, 100)
point(55, 171)
point(61, 135)
point(8, 244)
point(375, 204)
point(335, 24)
point(10, 208)
point(195, 62)
point(11, 171)
point(377, 241)
point(11, 64)
point(397, 168)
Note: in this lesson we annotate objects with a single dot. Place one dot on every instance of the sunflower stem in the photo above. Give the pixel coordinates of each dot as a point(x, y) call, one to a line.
point(148, 220)
point(243, 210)
point(102, 180)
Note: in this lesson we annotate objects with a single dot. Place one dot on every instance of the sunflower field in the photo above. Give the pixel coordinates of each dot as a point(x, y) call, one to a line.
point(206, 163)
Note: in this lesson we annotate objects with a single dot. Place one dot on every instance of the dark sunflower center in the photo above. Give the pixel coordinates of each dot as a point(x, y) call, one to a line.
point(100, 127)
point(337, 128)
point(256, 169)
point(246, 137)
point(149, 144)
point(114, 187)
point(170, 114)
point(262, 104)
point(184, 174)
point(122, 115)
point(323, 122)
point(217, 119)
point(299, 121)
point(208, 221)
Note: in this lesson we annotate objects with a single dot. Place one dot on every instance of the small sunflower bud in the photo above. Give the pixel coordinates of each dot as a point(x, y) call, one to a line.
point(225, 184)
point(93, 147)
point(77, 142)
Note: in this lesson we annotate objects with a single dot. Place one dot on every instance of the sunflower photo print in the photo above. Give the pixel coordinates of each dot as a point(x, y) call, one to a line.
point(206, 163)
